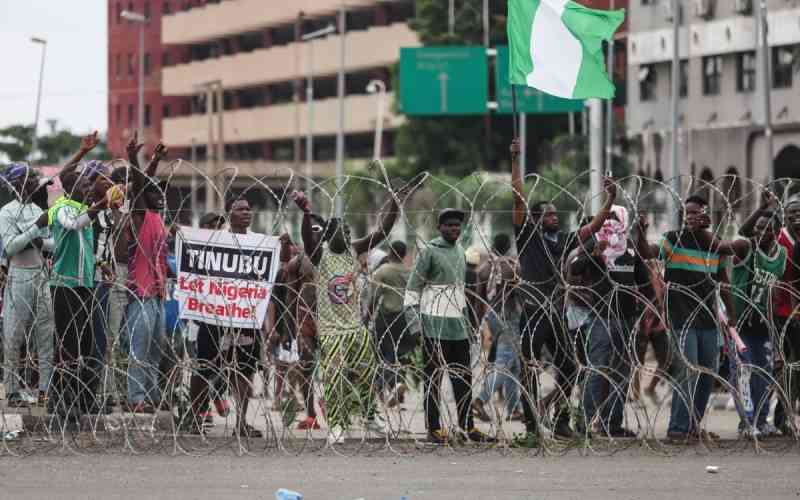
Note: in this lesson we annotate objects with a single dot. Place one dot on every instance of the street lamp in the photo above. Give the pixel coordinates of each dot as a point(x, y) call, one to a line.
point(141, 20)
point(35, 142)
point(377, 86)
point(310, 37)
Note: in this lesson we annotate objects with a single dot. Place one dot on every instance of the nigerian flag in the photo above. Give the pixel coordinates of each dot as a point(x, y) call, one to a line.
point(556, 47)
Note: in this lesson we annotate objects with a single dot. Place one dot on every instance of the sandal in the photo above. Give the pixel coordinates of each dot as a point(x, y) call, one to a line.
point(247, 431)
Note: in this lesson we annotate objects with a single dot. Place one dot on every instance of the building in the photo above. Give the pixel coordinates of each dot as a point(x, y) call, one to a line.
point(721, 133)
point(123, 73)
point(254, 50)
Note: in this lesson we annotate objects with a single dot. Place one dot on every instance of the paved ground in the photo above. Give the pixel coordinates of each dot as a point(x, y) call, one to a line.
point(442, 476)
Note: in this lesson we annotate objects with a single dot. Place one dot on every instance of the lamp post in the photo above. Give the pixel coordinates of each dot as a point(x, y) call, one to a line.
point(379, 88)
point(141, 20)
point(310, 37)
point(35, 142)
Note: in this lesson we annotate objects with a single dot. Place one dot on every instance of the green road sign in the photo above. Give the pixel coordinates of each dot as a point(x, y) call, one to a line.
point(443, 81)
point(529, 100)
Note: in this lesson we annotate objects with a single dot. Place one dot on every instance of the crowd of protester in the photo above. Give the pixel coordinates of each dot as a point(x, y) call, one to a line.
point(352, 322)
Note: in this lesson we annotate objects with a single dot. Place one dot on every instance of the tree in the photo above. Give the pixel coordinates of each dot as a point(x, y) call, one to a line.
point(16, 142)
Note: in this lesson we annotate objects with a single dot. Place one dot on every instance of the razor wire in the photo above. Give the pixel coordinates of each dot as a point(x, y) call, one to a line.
point(535, 374)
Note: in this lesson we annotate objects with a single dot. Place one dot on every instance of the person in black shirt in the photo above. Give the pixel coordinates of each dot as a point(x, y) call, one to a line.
point(541, 247)
point(609, 282)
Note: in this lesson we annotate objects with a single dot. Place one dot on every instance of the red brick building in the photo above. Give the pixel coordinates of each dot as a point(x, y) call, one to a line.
point(123, 72)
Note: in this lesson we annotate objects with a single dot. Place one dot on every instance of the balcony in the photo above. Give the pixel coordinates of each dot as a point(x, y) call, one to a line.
point(375, 47)
point(229, 18)
point(282, 121)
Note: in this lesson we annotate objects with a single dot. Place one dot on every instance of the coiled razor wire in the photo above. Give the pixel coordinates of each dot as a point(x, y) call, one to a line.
point(389, 415)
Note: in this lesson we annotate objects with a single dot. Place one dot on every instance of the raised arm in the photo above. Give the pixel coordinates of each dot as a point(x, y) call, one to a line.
point(312, 245)
point(768, 203)
point(388, 217)
point(88, 143)
point(600, 217)
point(645, 249)
point(517, 186)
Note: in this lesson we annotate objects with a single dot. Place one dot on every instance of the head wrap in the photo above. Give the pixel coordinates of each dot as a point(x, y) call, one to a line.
point(94, 168)
point(16, 171)
point(374, 259)
point(615, 232)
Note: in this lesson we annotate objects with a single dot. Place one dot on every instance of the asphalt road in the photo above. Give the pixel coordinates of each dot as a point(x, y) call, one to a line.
point(633, 474)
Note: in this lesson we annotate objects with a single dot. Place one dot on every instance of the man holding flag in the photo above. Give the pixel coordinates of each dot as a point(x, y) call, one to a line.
point(575, 70)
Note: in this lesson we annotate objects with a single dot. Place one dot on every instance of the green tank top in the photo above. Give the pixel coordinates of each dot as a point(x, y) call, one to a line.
point(752, 280)
point(337, 298)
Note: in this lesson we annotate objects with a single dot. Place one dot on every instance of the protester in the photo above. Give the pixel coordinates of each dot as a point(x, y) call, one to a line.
point(497, 282)
point(608, 281)
point(71, 281)
point(393, 338)
point(542, 247)
point(347, 360)
point(147, 275)
point(693, 270)
point(28, 313)
point(436, 293)
point(759, 267)
point(300, 278)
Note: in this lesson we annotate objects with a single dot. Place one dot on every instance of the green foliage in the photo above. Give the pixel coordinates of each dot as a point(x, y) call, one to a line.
point(16, 142)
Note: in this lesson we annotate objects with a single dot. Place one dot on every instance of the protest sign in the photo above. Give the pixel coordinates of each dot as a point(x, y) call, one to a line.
point(225, 278)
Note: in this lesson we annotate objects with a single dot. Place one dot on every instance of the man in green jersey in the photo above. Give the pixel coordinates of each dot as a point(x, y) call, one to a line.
point(758, 270)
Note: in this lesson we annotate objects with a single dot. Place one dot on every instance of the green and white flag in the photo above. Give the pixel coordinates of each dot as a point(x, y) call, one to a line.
point(556, 47)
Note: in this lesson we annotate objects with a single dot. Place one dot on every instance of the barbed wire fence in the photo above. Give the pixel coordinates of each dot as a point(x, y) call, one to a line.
point(172, 392)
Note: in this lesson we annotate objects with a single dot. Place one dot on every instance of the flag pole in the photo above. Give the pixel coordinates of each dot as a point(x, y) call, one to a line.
point(514, 110)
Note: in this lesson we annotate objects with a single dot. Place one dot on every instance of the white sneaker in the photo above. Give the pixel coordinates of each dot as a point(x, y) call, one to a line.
point(768, 430)
point(375, 427)
point(335, 435)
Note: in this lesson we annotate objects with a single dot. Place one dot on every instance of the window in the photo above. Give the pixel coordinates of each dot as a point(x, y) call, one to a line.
point(130, 64)
point(165, 59)
point(782, 67)
point(119, 113)
point(166, 9)
point(683, 83)
point(147, 64)
point(746, 72)
point(147, 10)
point(712, 75)
point(130, 115)
point(146, 115)
point(118, 64)
point(166, 111)
point(647, 82)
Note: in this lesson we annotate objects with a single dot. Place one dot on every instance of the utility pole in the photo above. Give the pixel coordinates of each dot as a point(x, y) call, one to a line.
point(766, 79)
point(35, 142)
point(340, 129)
point(676, 64)
point(609, 136)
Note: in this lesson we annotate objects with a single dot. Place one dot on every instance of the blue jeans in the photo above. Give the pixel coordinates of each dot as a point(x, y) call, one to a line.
point(145, 327)
point(698, 348)
point(609, 362)
point(759, 347)
point(505, 374)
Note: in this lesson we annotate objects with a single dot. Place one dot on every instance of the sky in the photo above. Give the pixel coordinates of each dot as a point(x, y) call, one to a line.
point(75, 78)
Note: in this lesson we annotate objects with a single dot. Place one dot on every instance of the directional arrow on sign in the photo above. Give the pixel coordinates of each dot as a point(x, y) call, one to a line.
point(443, 77)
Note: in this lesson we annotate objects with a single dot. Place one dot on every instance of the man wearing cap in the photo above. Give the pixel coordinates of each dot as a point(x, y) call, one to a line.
point(147, 279)
point(542, 247)
point(28, 315)
point(436, 293)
